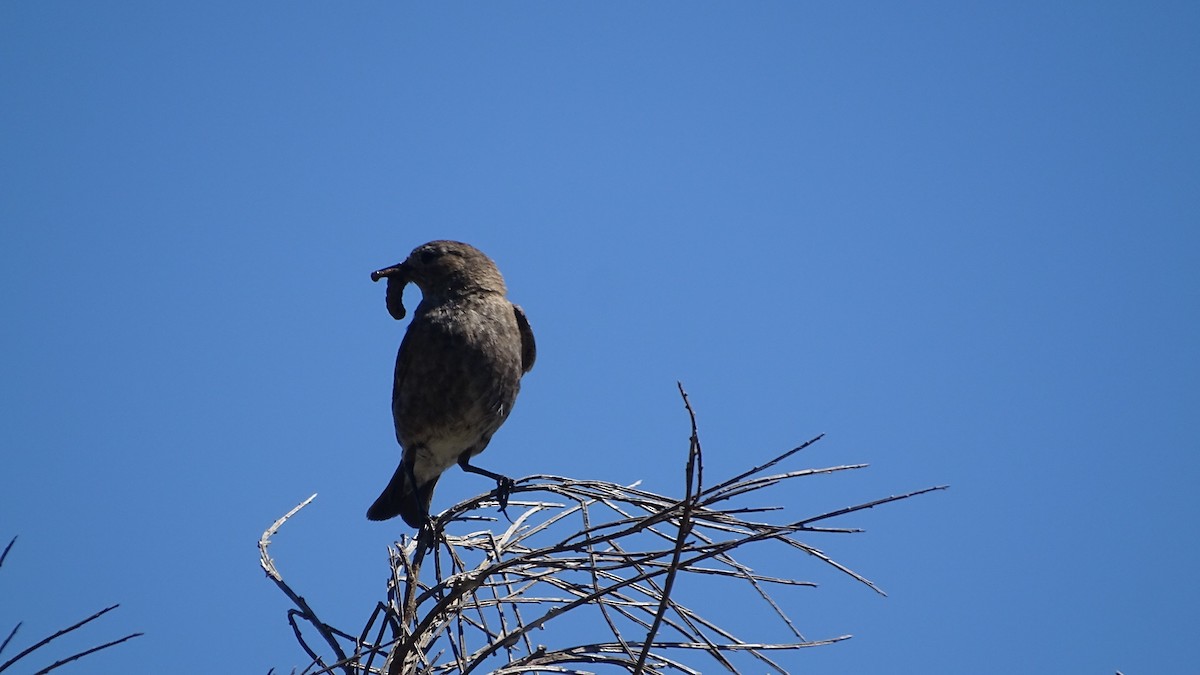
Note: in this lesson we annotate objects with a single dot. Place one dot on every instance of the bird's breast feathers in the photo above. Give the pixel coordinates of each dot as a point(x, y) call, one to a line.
point(457, 373)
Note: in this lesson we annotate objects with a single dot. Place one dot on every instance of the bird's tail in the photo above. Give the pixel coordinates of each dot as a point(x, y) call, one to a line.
point(402, 498)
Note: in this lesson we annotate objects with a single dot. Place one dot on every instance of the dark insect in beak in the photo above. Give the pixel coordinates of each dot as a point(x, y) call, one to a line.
point(397, 279)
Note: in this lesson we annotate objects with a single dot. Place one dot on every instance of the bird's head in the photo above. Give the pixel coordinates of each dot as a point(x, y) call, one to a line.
point(442, 270)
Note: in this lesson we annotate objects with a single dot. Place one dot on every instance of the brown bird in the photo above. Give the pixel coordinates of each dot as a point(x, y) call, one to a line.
point(458, 371)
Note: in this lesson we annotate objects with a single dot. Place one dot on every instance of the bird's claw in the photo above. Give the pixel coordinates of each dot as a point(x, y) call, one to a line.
point(504, 488)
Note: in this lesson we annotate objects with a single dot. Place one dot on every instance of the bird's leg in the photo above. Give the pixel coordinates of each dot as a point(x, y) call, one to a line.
point(504, 484)
point(429, 532)
point(428, 535)
point(415, 494)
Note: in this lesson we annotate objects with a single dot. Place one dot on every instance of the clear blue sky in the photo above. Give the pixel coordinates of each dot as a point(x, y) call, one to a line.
point(962, 239)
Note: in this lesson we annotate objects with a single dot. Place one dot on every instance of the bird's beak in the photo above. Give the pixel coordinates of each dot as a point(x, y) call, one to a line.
point(397, 276)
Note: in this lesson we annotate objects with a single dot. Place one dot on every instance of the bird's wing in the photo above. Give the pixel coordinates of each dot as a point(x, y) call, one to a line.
point(528, 346)
point(420, 366)
point(400, 377)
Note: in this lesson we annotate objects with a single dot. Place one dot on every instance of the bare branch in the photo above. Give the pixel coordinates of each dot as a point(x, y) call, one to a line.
point(304, 611)
point(47, 640)
point(6, 550)
point(693, 475)
point(11, 635)
point(85, 652)
point(590, 558)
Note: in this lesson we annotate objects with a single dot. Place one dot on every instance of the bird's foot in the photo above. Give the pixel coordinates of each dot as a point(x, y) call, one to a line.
point(504, 484)
point(504, 488)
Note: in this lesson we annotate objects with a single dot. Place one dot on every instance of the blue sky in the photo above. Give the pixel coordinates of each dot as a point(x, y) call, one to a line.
point(961, 239)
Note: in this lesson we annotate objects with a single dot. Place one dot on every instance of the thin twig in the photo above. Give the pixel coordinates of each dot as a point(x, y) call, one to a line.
point(85, 652)
point(692, 484)
point(7, 549)
point(11, 634)
point(47, 640)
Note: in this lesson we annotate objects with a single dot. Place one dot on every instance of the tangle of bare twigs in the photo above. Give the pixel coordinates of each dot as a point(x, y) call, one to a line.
point(590, 558)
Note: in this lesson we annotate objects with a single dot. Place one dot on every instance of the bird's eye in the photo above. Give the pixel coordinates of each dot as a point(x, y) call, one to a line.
point(427, 256)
